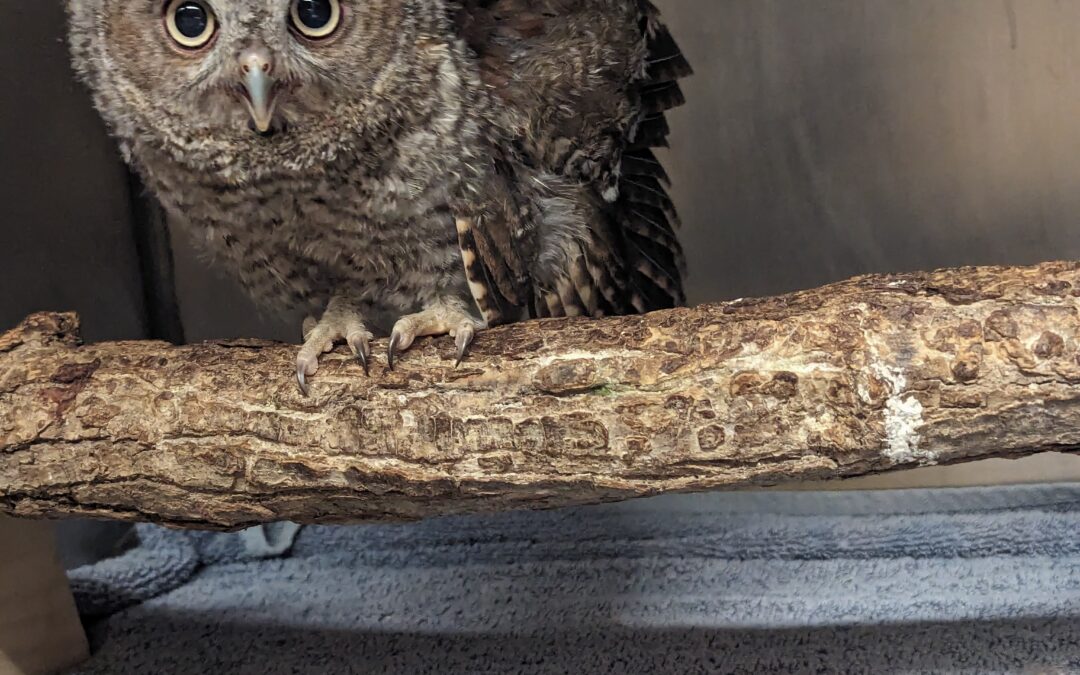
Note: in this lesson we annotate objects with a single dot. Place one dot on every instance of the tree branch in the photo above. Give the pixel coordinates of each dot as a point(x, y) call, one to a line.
point(869, 375)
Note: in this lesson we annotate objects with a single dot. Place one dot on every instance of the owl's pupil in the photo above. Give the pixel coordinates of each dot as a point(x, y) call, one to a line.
point(314, 14)
point(191, 19)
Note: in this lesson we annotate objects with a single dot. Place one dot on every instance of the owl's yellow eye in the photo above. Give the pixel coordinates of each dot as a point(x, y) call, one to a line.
point(190, 23)
point(316, 19)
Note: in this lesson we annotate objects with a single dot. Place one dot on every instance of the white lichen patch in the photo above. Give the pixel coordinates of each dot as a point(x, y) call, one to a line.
point(903, 419)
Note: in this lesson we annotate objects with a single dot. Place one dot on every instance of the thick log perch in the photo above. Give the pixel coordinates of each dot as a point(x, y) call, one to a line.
point(873, 374)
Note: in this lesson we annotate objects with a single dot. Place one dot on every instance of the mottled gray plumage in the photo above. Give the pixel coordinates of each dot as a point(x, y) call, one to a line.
point(460, 164)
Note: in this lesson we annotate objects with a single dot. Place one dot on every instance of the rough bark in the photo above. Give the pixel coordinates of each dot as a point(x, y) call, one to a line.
point(868, 375)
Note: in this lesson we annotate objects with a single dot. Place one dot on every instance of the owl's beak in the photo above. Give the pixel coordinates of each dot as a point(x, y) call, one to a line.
point(258, 66)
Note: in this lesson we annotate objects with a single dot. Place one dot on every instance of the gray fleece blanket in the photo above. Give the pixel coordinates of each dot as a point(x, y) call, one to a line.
point(956, 581)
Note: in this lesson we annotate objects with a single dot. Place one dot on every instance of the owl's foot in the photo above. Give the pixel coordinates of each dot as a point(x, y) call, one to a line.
point(339, 323)
point(444, 318)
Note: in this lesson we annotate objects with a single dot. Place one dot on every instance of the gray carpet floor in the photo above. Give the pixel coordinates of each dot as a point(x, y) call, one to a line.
point(960, 581)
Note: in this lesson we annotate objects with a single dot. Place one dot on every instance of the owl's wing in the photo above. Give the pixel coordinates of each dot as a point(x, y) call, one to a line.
point(587, 84)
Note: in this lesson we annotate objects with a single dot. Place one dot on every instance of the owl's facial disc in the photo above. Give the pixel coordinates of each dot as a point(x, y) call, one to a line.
point(259, 84)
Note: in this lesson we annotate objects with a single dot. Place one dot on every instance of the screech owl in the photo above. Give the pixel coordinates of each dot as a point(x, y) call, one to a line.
point(455, 163)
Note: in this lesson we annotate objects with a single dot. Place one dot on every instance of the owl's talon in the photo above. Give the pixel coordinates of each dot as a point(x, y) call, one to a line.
point(363, 359)
point(401, 338)
point(463, 340)
point(358, 343)
point(301, 379)
point(307, 364)
point(395, 340)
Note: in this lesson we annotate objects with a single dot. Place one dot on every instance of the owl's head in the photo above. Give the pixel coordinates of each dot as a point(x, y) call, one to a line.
point(249, 72)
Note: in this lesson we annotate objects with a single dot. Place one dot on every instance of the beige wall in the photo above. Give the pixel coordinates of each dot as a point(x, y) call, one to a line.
point(829, 138)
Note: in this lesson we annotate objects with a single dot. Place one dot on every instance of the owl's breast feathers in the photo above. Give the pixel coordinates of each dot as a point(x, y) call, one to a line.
point(584, 86)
